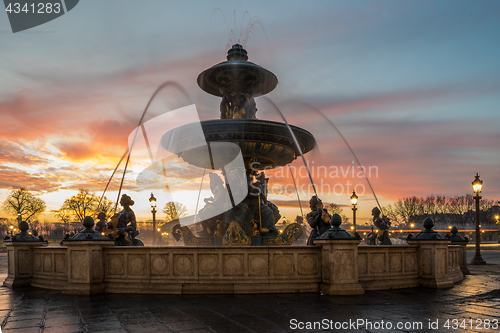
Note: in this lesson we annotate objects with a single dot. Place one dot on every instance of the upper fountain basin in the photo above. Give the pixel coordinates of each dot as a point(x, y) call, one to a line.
point(251, 77)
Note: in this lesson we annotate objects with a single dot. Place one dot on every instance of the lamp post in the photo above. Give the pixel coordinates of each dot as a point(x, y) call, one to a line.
point(354, 202)
point(477, 184)
point(152, 200)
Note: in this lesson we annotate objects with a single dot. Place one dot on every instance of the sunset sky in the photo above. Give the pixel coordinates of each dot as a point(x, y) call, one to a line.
point(413, 86)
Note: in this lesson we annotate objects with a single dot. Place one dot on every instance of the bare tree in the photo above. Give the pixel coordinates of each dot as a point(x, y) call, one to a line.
point(458, 209)
point(81, 204)
point(440, 204)
point(174, 210)
point(486, 204)
point(429, 205)
point(408, 208)
point(62, 214)
point(392, 214)
point(23, 204)
point(106, 206)
point(333, 208)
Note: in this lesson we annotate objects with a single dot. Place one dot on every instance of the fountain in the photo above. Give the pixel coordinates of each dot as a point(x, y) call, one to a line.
point(238, 214)
point(263, 145)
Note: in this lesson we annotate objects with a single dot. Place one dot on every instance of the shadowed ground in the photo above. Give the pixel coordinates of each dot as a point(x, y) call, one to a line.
point(26, 310)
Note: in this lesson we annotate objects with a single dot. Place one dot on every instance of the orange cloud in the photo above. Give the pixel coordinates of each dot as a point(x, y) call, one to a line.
point(13, 153)
point(11, 177)
point(75, 151)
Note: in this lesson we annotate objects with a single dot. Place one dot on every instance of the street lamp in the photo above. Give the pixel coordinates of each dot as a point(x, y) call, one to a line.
point(152, 200)
point(11, 230)
point(354, 202)
point(477, 184)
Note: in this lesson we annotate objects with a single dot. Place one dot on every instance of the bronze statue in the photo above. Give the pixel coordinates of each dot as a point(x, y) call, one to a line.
point(265, 212)
point(371, 238)
point(239, 214)
point(303, 237)
point(101, 226)
point(124, 226)
point(224, 105)
point(220, 229)
point(237, 104)
point(318, 219)
point(255, 229)
point(215, 206)
point(383, 224)
point(250, 107)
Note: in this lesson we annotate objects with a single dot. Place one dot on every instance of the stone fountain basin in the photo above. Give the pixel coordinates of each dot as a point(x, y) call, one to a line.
point(263, 144)
point(261, 80)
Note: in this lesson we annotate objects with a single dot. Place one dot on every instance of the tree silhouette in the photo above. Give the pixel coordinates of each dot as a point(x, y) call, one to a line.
point(23, 204)
point(85, 203)
point(459, 209)
point(333, 208)
point(174, 210)
point(62, 214)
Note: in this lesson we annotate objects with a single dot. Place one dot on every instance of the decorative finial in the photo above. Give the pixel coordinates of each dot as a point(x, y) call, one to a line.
point(88, 222)
point(237, 52)
point(23, 226)
point(455, 237)
point(87, 234)
point(337, 233)
point(23, 235)
point(336, 221)
point(428, 224)
point(427, 233)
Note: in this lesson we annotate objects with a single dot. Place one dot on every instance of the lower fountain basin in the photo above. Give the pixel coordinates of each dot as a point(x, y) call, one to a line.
point(263, 144)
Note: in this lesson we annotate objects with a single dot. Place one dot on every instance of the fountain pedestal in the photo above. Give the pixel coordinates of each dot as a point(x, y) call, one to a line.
point(20, 262)
point(85, 267)
point(85, 261)
point(339, 267)
point(462, 242)
point(20, 256)
point(462, 256)
point(433, 263)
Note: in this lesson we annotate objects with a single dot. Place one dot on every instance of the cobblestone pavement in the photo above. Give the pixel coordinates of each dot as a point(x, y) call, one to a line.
point(27, 310)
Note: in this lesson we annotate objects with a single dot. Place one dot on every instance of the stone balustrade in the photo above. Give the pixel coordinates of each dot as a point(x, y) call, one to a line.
point(239, 269)
point(388, 267)
point(332, 266)
point(50, 267)
point(454, 263)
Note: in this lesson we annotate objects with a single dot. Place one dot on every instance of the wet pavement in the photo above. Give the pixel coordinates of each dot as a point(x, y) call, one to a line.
point(477, 297)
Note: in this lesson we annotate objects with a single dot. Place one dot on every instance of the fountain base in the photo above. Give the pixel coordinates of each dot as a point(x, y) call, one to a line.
point(235, 236)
